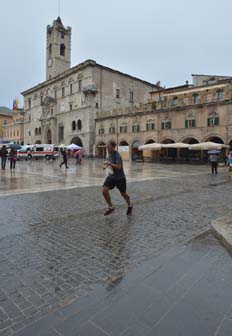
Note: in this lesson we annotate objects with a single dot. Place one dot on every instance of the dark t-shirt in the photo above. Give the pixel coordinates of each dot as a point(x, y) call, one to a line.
point(3, 152)
point(116, 158)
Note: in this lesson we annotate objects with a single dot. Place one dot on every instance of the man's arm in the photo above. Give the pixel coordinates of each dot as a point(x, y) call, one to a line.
point(117, 162)
point(113, 165)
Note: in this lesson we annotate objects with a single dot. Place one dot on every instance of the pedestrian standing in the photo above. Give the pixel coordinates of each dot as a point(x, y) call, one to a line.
point(76, 155)
point(213, 159)
point(65, 158)
point(3, 155)
point(230, 164)
point(116, 178)
point(13, 158)
point(80, 156)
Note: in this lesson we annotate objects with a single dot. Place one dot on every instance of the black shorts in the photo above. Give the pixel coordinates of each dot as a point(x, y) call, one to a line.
point(111, 182)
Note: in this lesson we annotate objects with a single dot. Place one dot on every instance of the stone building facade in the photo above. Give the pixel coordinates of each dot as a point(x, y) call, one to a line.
point(188, 113)
point(5, 118)
point(63, 108)
point(13, 130)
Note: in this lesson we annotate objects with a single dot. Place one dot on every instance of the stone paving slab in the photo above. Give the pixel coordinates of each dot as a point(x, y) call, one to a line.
point(222, 228)
point(56, 247)
point(203, 307)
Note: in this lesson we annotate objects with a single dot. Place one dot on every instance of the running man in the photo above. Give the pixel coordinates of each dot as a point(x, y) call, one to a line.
point(116, 178)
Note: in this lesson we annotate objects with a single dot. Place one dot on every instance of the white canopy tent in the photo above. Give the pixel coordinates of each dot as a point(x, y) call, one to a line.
point(74, 147)
point(175, 145)
point(152, 146)
point(158, 146)
point(207, 146)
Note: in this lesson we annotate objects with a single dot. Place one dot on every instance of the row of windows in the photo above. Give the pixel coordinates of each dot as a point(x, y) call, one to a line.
point(75, 126)
point(131, 95)
point(80, 87)
point(11, 133)
point(196, 99)
point(63, 92)
point(5, 122)
point(63, 89)
point(191, 123)
point(71, 91)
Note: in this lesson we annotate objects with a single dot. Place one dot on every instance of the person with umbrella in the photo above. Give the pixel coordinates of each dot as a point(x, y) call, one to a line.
point(213, 159)
point(78, 155)
point(3, 155)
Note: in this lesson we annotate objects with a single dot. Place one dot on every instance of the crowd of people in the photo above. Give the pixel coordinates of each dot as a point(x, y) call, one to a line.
point(10, 155)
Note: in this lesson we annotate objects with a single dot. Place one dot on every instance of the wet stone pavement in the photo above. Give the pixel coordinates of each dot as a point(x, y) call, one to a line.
point(58, 254)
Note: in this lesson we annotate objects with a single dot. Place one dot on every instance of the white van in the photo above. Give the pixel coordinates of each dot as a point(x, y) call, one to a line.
point(46, 151)
point(24, 152)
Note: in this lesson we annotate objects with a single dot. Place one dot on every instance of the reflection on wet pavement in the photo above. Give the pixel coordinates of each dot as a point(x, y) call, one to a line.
point(42, 175)
point(56, 246)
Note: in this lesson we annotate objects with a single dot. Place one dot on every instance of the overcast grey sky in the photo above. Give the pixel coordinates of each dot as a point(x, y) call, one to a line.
point(164, 40)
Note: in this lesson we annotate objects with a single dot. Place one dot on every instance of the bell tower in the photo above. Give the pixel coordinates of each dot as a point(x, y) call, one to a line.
point(58, 56)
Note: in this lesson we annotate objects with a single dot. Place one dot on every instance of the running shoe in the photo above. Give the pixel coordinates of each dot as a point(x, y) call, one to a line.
point(109, 211)
point(129, 210)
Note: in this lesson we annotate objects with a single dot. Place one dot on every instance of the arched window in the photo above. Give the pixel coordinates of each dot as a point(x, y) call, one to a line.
point(79, 125)
point(73, 125)
point(36, 131)
point(50, 49)
point(39, 130)
point(62, 50)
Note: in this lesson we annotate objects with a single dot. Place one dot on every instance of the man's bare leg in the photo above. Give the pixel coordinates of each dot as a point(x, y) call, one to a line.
point(106, 194)
point(127, 199)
